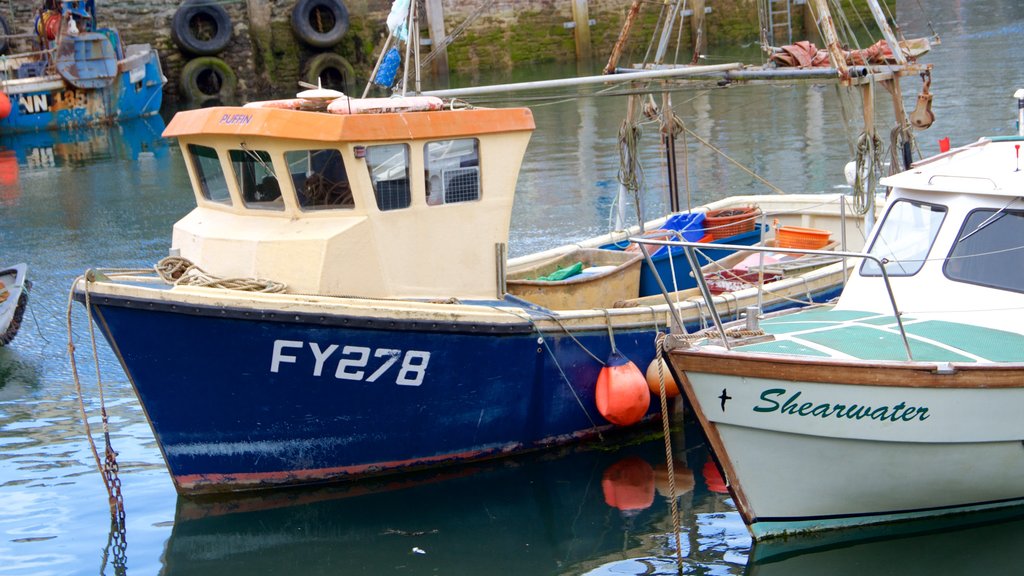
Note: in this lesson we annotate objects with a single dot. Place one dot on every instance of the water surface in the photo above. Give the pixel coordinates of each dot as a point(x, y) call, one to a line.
point(108, 197)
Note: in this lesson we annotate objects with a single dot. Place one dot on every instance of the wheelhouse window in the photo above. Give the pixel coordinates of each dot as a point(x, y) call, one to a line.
point(905, 238)
point(453, 171)
point(320, 178)
point(213, 184)
point(257, 182)
point(989, 249)
point(389, 173)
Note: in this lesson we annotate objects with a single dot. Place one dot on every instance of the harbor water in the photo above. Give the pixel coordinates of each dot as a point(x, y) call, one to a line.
point(108, 197)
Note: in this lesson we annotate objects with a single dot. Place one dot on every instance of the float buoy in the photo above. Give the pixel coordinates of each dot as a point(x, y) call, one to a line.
point(654, 381)
point(622, 395)
point(629, 484)
point(320, 23)
point(5, 106)
point(200, 27)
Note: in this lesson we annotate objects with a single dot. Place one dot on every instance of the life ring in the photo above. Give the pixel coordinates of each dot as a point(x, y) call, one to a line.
point(5, 31)
point(208, 81)
point(320, 23)
point(330, 70)
point(201, 28)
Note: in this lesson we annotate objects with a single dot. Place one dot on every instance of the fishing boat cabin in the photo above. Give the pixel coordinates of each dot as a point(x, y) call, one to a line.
point(393, 199)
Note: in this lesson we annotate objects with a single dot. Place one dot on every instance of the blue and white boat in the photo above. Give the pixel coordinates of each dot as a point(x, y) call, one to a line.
point(904, 399)
point(77, 74)
point(339, 303)
point(14, 287)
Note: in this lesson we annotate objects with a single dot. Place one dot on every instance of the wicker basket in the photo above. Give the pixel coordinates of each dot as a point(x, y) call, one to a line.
point(727, 222)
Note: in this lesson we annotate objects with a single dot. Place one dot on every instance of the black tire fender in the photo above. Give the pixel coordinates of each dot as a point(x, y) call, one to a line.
point(320, 23)
point(201, 28)
point(331, 71)
point(208, 80)
point(5, 31)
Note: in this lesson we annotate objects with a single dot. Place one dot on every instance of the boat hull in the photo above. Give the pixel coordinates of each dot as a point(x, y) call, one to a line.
point(242, 399)
point(13, 299)
point(54, 103)
point(810, 446)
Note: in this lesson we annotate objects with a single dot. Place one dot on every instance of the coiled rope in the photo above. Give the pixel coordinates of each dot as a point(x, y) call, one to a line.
point(868, 163)
point(181, 271)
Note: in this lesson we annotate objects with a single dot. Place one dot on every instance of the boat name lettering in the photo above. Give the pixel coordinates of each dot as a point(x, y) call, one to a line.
point(235, 119)
point(352, 362)
point(896, 413)
point(34, 103)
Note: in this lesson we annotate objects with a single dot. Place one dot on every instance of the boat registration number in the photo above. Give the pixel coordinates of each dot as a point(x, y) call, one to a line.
point(357, 363)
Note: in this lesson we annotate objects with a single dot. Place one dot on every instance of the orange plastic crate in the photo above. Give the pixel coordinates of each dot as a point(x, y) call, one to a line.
point(800, 237)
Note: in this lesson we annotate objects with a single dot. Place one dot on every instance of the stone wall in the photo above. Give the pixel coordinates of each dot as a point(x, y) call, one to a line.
point(269, 60)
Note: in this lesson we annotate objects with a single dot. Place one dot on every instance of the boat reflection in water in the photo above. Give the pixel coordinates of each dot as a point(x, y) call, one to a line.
point(128, 139)
point(978, 543)
point(546, 513)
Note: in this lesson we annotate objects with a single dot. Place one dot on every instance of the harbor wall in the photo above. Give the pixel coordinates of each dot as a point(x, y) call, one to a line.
point(266, 59)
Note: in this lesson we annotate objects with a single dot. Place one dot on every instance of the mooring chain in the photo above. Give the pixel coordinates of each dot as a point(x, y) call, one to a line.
point(109, 467)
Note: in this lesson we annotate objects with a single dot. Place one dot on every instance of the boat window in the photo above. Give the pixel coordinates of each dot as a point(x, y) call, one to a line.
point(320, 179)
point(257, 182)
point(212, 183)
point(989, 249)
point(389, 172)
point(905, 238)
point(453, 171)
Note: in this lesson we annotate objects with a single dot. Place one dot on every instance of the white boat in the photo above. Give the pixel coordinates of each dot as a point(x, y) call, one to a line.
point(903, 399)
point(13, 300)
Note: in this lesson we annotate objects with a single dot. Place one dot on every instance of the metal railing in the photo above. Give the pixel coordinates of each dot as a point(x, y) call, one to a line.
point(690, 247)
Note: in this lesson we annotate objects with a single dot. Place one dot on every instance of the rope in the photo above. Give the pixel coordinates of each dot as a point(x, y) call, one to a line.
point(868, 161)
point(182, 272)
point(109, 467)
point(659, 352)
point(631, 174)
point(754, 175)
point(455, 33)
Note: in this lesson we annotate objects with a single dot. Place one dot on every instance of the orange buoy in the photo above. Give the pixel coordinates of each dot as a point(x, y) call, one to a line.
point(654, 381)
point(5, 105)
point(622, 395)
point(629, 484)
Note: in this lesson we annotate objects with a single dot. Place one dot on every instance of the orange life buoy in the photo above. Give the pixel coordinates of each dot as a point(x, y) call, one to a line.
point(622, 395)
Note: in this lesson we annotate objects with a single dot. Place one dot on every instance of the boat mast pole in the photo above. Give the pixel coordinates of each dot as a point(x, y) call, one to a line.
point(828, 31)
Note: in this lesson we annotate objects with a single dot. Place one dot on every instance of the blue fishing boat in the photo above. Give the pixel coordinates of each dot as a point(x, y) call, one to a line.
point(340, 304)
point(76, 74)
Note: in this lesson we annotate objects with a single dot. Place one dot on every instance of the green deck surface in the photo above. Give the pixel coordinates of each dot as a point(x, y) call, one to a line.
point(870, 336)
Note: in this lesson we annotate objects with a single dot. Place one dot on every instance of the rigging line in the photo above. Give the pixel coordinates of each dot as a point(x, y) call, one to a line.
point(739, 165)
point(995, 216)
point(657, 27)
point(554, 359)
point(455, 33)
point(249, 152)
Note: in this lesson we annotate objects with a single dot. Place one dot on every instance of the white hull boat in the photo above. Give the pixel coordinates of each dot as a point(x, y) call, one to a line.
point(902, 400)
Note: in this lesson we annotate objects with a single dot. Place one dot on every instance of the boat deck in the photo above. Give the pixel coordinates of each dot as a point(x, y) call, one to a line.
point(850, 334)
